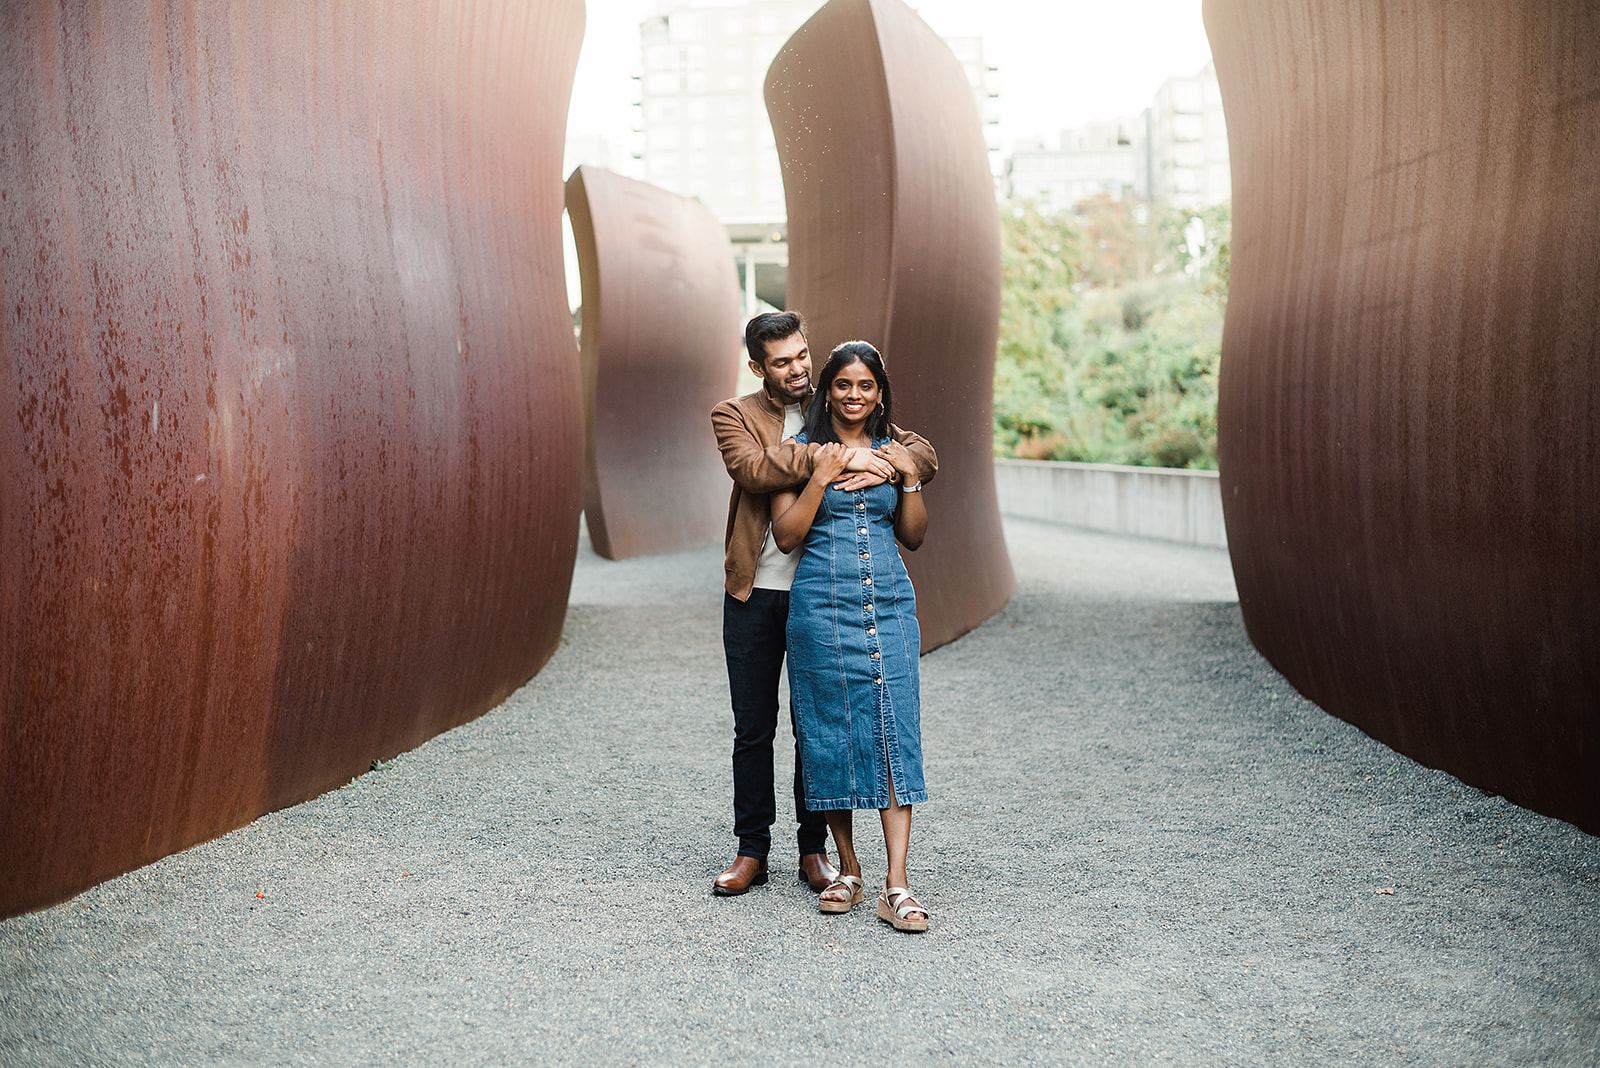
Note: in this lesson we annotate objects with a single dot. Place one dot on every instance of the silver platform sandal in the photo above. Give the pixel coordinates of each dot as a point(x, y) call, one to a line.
point(896, 907)
point(853, 889)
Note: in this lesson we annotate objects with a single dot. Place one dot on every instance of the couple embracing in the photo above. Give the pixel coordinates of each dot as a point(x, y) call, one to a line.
point(823, 487)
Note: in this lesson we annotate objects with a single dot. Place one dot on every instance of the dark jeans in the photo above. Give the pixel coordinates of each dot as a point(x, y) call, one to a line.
point(753, 639)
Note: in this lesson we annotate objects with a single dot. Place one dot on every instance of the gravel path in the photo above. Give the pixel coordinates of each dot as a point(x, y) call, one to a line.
point(1143, 848)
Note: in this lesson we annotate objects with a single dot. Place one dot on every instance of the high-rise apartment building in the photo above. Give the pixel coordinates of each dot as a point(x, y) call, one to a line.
point(1109, 157)
point(702, 116)
point(1189, 142)
point(1176, 150)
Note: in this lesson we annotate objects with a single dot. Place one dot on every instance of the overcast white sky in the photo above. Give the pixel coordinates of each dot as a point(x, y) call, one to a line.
point(1061, 62)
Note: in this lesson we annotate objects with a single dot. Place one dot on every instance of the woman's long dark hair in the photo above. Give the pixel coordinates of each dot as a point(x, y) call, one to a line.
point(819, 424)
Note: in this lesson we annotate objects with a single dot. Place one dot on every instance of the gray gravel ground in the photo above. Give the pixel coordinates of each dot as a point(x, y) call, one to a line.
point(1143, 848)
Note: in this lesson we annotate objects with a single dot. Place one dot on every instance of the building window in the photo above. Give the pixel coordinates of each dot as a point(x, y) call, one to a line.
point(687, 26)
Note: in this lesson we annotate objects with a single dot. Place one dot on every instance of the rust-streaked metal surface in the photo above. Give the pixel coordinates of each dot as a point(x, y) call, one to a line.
point(1411, 374)
point(894, 238)
point(661, 347)
point(290, 418)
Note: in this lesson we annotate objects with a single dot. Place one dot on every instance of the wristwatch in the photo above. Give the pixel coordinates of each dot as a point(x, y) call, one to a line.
point(915, 487)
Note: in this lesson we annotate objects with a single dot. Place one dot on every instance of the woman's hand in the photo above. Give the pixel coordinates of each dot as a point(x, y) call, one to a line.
point(898, 455)
point(864, 469)
point(793, 512)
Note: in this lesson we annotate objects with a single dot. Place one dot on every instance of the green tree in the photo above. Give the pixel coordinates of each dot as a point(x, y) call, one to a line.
point(1110, 333)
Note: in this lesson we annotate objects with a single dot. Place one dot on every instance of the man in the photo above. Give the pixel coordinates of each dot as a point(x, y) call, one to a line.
point(751, 432)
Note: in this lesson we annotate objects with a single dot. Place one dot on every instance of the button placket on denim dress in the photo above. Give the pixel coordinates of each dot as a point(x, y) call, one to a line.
point(853, 645)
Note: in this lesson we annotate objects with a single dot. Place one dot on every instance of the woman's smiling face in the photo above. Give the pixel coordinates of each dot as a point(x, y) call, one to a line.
point(853, 395)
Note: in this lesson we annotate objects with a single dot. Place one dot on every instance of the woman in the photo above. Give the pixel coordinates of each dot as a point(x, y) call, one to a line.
point(852, 634)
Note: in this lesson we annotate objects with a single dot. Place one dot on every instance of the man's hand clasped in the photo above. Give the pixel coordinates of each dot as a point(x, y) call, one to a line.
point(866, 468)
point(831, 461)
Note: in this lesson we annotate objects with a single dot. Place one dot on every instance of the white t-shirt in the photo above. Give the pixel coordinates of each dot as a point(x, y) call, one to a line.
point(775, 568)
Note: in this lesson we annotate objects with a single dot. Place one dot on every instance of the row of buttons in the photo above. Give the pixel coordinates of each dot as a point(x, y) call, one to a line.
point(861, 506)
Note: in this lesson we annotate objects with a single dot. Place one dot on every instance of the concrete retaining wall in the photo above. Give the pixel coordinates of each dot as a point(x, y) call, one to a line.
point(1148, 502)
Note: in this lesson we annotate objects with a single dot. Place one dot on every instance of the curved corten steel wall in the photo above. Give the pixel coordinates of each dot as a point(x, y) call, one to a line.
point(661, 347)
point(290, 422)
point(894, 238)
point(1411, 374)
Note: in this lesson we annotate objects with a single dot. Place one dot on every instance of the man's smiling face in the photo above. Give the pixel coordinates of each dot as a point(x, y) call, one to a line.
point(787, 370)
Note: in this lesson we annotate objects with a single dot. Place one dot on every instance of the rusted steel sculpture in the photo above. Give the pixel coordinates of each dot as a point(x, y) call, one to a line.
point(290, 417)
point(1411, 374)
point(894, 238)
point(661, 346)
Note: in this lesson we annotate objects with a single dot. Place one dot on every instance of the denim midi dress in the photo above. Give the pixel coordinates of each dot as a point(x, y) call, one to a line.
point(853, 645)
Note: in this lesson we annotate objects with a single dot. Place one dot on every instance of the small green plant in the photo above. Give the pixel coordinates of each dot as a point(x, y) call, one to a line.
point(382, 765)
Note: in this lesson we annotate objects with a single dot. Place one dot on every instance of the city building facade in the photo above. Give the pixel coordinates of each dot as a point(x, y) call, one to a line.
point(703, 120)
point(1189, 142)
point(1105, 158)
point(1175, 150)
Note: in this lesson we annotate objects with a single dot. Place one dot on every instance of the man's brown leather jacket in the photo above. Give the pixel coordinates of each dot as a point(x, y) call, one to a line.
point(748, 430)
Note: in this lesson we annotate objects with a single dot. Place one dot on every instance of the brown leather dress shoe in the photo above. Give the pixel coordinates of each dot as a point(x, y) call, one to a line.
point(817, 872)
point(741, 875)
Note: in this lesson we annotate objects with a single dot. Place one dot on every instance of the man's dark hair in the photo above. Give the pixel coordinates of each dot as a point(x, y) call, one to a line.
point(770, 326)
point(819, 423)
